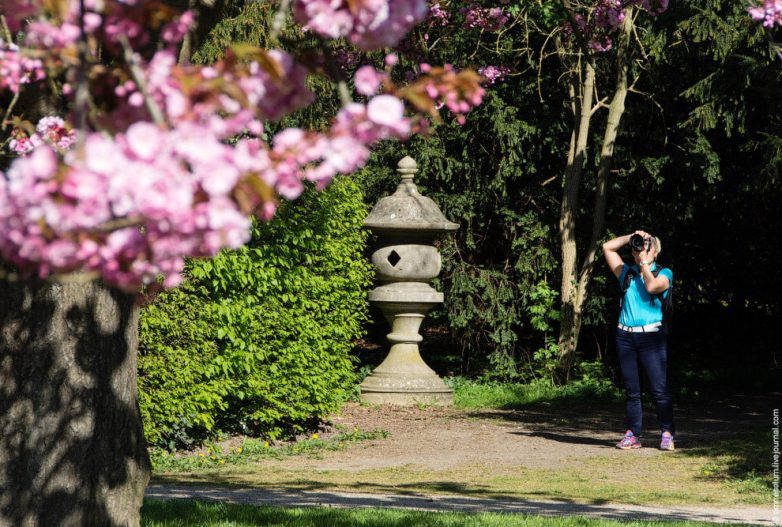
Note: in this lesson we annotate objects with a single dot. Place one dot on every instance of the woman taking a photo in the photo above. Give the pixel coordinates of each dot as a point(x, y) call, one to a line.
point(641, 338)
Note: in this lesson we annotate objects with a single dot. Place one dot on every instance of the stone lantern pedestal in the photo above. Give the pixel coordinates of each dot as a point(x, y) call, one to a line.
point(406, 260)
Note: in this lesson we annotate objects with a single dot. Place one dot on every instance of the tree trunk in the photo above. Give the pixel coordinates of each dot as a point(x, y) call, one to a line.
point(72, 449)
point(568, 334)
point(206, 16)
point(615, 112)
point(188, 43)
point(574, 289)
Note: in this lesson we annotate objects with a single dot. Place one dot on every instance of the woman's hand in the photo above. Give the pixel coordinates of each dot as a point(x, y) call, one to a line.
point(645, 235)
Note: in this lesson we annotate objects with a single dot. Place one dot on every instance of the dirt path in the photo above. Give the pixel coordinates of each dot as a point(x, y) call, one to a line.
point(542, 459)
point(444, 438)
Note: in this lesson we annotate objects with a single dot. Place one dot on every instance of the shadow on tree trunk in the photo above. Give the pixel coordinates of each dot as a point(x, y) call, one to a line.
point(72, 450)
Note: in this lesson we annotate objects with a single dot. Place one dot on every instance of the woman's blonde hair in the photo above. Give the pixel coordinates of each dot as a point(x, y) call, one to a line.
point(658, 245)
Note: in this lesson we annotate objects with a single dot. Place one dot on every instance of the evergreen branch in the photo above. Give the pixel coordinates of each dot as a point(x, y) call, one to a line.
point(776, 47)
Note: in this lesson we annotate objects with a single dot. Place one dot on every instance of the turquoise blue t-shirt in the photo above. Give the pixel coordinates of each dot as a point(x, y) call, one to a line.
point(639, 308)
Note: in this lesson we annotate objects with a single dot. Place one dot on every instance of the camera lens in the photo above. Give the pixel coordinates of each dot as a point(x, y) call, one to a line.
point(637, 242)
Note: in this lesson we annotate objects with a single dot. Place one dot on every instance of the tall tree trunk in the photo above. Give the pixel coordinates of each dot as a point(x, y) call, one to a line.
point(206, 15)
point(72, 449)
point(573, 303)
point(567, 221)
point(188, 43)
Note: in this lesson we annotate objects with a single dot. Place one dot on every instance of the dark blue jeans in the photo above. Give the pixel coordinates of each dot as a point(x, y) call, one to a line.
point(647, 351)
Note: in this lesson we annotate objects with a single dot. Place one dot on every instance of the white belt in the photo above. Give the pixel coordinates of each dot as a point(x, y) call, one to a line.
point(649, 328)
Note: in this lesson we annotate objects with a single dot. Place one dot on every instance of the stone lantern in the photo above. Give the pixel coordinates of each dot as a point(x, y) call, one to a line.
point(406, 224)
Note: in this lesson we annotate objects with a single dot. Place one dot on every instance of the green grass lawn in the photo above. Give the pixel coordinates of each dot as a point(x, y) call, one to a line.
point(472, 394)
point(199, 514)
point(257, 450)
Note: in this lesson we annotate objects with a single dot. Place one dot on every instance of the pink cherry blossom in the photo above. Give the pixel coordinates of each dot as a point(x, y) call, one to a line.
point(607, 16)
point(769, 12)
point(16, 11)
point(16, 69)
point(167, 167)
point(50, 130)
point(144, 140)
point(367, 24)
point(368, 80)
point(491, 19)
point(386, 110)
point(493, 74)
point(175, 31)
point(438, 16)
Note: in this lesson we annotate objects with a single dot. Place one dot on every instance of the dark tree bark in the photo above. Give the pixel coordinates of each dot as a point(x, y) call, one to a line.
point(72, 449)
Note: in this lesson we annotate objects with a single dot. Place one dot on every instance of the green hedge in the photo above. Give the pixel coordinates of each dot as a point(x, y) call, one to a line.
point(258, 340)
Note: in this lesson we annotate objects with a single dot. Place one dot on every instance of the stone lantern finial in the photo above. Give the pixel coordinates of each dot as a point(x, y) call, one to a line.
point(407, 168)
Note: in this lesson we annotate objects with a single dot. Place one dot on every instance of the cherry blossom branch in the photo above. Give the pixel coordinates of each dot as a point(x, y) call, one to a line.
point(82, 87)
point(279, 20)
point(196, 186)
point(582, 43)
point(552, 35)
point(117, 224)
point(6, 30)
point(335, 72)
point(344, 93)
point(8, 111)
point(138, 77)
point(638, 40)
point(186, 49)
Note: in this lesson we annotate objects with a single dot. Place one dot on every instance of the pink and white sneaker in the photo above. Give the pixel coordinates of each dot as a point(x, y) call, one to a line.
point(666, 443)
point(628, 441)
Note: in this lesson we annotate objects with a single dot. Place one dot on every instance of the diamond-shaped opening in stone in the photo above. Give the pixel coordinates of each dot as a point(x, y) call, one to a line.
point(393, 258)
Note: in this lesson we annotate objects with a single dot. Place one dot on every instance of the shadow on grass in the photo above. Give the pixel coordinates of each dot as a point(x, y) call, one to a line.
point(239, 507)
point(733, 431)
point(744, 458)
point(417, 488)
point(197, 513)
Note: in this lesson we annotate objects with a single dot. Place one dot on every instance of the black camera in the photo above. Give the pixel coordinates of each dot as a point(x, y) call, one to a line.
point(639, 243)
